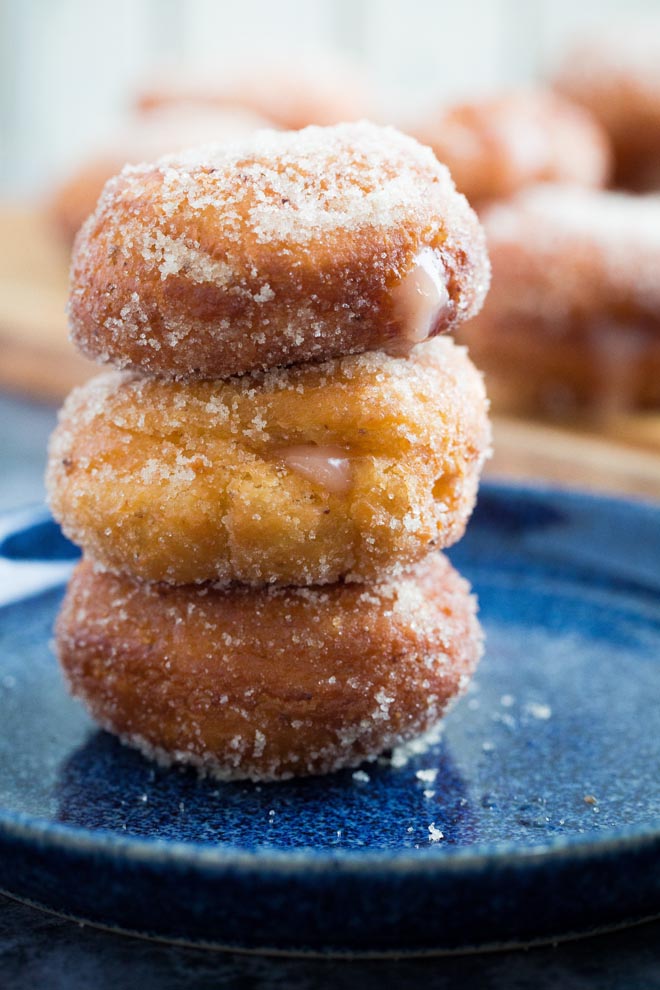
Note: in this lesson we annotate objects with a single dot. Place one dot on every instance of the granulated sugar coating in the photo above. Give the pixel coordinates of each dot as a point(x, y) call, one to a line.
point(301, 476)
point(267, 684)
point(574, 312)
point(286, 248)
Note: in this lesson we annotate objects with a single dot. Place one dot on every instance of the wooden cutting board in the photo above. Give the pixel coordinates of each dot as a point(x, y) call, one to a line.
point(37, 359)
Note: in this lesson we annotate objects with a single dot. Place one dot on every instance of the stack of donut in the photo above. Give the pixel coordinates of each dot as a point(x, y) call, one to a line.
point(262, 484)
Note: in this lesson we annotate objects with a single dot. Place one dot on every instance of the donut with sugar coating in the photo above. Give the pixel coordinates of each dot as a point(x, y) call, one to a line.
point(305, 475)
point(613, 73)
point(271, 683)
point(494, 147)
point(573, 318)
point(285, 248)
point(314, 88)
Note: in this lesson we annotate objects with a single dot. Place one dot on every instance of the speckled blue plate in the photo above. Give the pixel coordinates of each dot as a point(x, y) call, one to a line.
point(545, 785)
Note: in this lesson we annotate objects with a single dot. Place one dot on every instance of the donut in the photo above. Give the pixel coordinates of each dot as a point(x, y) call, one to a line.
point(267, 684)
point(287, 247)
point(305, 475)
point(319, 90)
point(494, 147)
point(614, 75)
point(573, 317)
point(165, 130)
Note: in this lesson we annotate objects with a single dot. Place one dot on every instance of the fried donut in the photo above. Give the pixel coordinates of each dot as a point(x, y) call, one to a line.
point(573, 317)
point(273, 683)
point(289, 247)
point(614, 75)
point(305, 475)
point(496, 146)
point(320, 90)
point(166, 130)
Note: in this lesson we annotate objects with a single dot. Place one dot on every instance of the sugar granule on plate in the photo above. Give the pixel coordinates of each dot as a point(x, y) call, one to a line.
point(434, 833)
point(361, 777)
point(538, 710)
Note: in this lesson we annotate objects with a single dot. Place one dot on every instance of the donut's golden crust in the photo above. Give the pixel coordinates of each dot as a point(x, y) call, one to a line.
point(287, 248)
point(495, 147)
point(187, 482)
point(573, 318)
point(273, 683)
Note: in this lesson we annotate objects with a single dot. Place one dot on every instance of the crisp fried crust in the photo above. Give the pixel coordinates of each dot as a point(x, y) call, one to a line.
point(286, 248)
point(305, 475)
point(273, 683)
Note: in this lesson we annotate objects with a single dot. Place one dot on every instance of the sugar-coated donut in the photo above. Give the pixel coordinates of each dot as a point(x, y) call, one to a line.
point(573, 317)
point(166, 130)
point(614, 74)
point(493, 147)
point(319, 89)
point(305, 475)
point(272, 683)
point(288, 247)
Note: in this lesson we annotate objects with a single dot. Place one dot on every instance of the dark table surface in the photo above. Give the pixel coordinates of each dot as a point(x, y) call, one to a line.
point(39, 950)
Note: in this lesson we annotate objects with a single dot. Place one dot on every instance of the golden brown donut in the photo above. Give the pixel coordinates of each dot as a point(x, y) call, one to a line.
point(494, 147)
point(614, 75)
point(573, 316)
point(319, 89)
point(289, 247)
point(268, 684)
point(302, 476)
point(165, 130)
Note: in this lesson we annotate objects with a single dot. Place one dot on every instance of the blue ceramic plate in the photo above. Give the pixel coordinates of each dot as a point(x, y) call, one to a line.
point(545, 784)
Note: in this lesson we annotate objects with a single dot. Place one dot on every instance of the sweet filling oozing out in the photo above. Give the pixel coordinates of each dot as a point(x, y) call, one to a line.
point(326, 465)
point(421, 299)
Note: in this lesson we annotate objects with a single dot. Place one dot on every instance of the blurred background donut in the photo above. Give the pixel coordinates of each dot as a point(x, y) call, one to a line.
point(167, 129)
point(319, 88)
point(497, 145)
point(614, 74)
point(573, 317)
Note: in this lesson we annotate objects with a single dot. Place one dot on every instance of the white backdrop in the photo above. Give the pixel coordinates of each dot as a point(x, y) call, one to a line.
point(68, 67)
